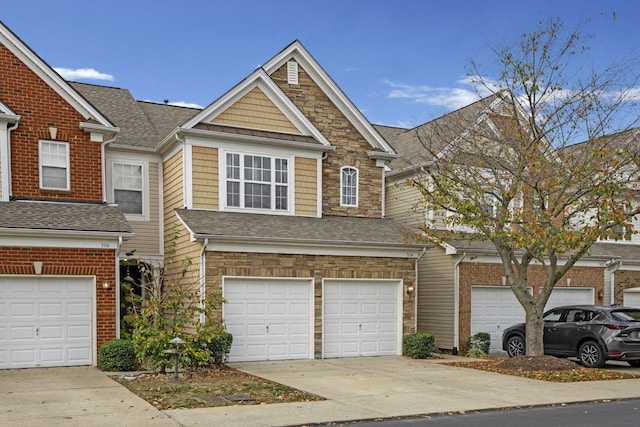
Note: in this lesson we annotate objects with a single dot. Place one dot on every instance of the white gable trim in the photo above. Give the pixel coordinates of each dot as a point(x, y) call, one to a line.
point(49, 76)
point(296, 51)
point(261, 80)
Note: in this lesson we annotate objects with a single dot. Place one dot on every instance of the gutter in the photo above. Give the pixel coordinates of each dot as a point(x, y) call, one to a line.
point(456, 303)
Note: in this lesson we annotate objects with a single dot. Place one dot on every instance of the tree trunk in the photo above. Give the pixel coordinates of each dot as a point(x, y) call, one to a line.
point(534, 330)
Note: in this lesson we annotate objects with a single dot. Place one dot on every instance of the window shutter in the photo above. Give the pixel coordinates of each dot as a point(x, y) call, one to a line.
point(292, 72)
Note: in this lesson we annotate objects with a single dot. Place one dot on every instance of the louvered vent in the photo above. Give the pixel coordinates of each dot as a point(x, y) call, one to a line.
point(292, 72)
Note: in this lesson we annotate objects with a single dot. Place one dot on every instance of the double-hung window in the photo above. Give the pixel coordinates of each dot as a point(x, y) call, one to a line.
point(349, 186)
point(128, 187)
point(257, 182)
point(54, 165)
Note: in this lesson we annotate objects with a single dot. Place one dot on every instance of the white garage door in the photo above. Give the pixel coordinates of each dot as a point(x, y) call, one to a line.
point(493, 309)
point(45, 321)
point(631, 297)
point(269, 318)
point(361, 318)
point(569, 296)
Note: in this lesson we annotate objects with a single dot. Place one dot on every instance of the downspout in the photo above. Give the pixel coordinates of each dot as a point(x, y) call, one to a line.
point(104, 167)
point(7, 175)
point(456, 303)
point(203, 281)
point(384, 193)
point(417, 291)
point(116, 286)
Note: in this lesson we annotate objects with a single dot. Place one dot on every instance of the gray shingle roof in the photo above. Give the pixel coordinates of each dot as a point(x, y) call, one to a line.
point(329, 229)
point(142, 124)
point(63, 217)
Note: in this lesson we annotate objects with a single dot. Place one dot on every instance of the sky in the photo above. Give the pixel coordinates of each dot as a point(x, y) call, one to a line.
point(401, 62)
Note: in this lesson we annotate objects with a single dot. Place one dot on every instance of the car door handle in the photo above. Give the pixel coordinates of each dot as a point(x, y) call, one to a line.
point(552, 329)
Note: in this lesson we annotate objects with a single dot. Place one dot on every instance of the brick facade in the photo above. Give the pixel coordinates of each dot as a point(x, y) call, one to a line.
point(99, 263)
point(40, 108)
point(351, 148)
point(623, 280)
point(474, 273)
point(318, 267)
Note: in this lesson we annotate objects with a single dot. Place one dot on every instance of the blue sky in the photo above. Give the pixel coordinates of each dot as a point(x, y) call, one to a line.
point(402, 62)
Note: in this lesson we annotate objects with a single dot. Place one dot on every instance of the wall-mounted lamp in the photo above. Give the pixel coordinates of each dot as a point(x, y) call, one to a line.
point(600, 294)
point(409, 290)
point(504, 280)
point(106, 285)
point(568, 281)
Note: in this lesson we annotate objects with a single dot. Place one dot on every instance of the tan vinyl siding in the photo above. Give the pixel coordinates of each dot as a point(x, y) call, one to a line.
point(173, 197)
point(256, 111)
point(147, 233)
point(205, 178)
point(401, 205)
point(306, 186)
point(436, 296)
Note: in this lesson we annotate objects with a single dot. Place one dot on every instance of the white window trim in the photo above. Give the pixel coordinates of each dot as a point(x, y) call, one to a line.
point(222, 175)
point(68, 166)
point(145, 216)
point(357, 186)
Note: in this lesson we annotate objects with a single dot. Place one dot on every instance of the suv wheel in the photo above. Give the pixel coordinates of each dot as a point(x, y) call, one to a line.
point(515, 346)
point(590, 354)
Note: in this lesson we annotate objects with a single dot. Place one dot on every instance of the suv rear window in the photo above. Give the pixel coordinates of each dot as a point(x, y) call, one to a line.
point(626, 315)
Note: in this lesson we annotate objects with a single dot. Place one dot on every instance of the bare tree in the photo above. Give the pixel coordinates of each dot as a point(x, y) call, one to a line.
point(509, 171)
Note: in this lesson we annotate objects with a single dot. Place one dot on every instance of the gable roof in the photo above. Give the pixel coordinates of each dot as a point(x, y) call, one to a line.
point(268, 87)
point(409, 143)
point(53, 79)
point(298, 52)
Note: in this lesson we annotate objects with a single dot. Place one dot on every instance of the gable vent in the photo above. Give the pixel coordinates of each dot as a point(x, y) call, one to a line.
point(292, 72)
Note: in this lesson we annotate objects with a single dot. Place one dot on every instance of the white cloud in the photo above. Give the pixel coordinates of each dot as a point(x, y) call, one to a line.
point(453, 98)
point(83, 74)
point(186, 104)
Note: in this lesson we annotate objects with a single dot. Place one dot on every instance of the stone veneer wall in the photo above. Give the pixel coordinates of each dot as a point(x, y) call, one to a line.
point(317, 267)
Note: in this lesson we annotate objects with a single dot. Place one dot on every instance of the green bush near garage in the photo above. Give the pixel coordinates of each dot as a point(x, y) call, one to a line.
point(478, 345)
point(117, 355)
point(419, 345)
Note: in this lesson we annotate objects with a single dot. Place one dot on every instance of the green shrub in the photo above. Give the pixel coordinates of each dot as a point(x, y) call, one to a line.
point(117, 355)
point(220, 347)
point(419, 345)
point(481, 341)
point(476, 353)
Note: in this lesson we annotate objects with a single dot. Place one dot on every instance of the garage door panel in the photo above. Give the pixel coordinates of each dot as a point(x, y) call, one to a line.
point(43, 317)
point(631, 297)
point(365, 313)
point(269, 318)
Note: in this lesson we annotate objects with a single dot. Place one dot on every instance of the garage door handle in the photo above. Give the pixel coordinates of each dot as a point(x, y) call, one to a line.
point(37, 332)
point(267, 328)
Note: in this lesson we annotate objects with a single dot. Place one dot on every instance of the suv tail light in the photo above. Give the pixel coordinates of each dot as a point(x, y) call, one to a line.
point(616, 327)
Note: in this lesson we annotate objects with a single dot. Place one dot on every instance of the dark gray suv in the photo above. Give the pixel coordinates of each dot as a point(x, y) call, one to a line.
point(592, 333)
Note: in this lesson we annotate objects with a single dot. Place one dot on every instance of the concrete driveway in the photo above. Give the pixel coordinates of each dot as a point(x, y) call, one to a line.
point(82, 396)
point(355, 389)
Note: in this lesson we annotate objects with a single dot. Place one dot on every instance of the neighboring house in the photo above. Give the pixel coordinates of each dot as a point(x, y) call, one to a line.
point(59, 240)
point(275, 192)
point(461, 289)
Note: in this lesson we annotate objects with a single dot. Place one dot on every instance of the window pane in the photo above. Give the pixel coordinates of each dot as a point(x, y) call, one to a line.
point(257, 196)
point(129, 201)
point(233, 166)
point(349, 190)
point(54, 177)
point(281, 197)
point(233, 194)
